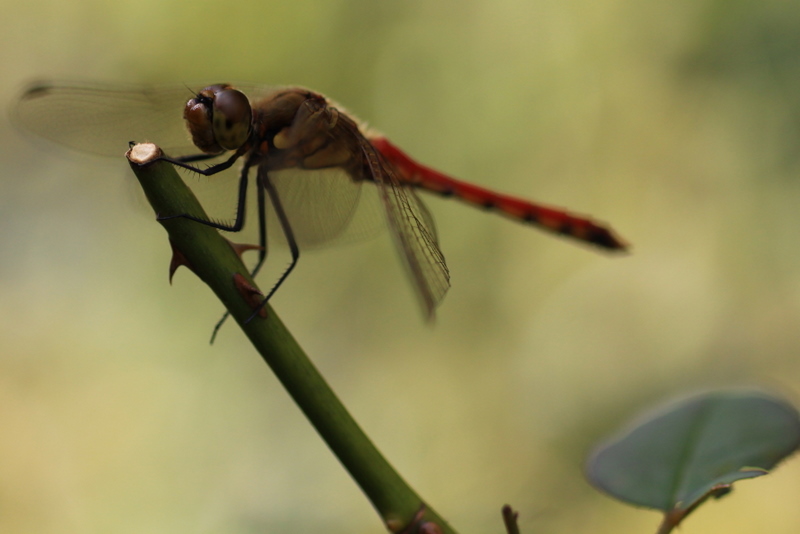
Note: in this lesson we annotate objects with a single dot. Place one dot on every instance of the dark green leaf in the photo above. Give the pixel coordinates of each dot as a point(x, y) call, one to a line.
point(684, 452)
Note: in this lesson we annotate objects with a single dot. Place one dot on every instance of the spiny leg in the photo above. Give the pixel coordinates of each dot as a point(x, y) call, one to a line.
point(213, 169)
point(262, 255)
point(265, 183)
point(195, 157)
point(262, 228)
point(241, 204)
point(210, 171)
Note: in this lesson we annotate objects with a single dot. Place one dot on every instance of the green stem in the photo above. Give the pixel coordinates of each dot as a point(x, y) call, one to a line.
point(212, 258)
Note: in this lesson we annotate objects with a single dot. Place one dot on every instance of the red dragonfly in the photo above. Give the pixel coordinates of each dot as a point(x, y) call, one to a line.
point(278, 130)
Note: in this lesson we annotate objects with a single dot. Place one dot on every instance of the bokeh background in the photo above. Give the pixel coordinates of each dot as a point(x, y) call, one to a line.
point(678, 122)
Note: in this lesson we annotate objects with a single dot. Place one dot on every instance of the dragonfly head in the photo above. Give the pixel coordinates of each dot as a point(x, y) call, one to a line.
point(219, 118)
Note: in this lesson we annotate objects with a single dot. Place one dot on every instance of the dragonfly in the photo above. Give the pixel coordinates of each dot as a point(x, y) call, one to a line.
point(310, 158)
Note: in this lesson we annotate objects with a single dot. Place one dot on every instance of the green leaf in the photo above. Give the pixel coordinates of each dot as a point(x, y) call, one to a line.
point(681, 454)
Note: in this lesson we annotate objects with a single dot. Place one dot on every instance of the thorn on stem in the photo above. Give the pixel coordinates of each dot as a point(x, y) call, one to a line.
point(417, 525)
point(241, 248)
point(178, 259)
point(252, 296)
point(428, 527)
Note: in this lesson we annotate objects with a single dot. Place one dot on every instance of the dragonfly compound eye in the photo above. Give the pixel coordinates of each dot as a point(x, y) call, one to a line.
point(232, 118)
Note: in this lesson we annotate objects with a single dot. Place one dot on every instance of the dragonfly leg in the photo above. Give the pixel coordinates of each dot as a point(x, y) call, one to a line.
point(241, 202)
point(196, 157)
point(218, 326)
point(262, 255)
point(262, 229)
point(265, 184)
point(184, 161)
point(210, 171)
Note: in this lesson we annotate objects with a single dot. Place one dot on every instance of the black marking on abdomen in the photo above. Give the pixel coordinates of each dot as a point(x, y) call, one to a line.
point(603, 239)
point(565, 228)
point(447, 193)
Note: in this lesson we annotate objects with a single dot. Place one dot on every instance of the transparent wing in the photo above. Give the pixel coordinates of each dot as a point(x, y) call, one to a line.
point(412, 229)
point(102, 119)
point(325, 207)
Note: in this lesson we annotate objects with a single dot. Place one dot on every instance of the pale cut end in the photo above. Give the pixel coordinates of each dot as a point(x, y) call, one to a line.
point(143, 153)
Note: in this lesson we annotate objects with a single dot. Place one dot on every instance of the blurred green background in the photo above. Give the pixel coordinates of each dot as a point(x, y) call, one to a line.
point(677, 122)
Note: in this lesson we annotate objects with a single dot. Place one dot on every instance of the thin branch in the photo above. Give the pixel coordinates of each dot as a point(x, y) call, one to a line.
point(216, 263)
